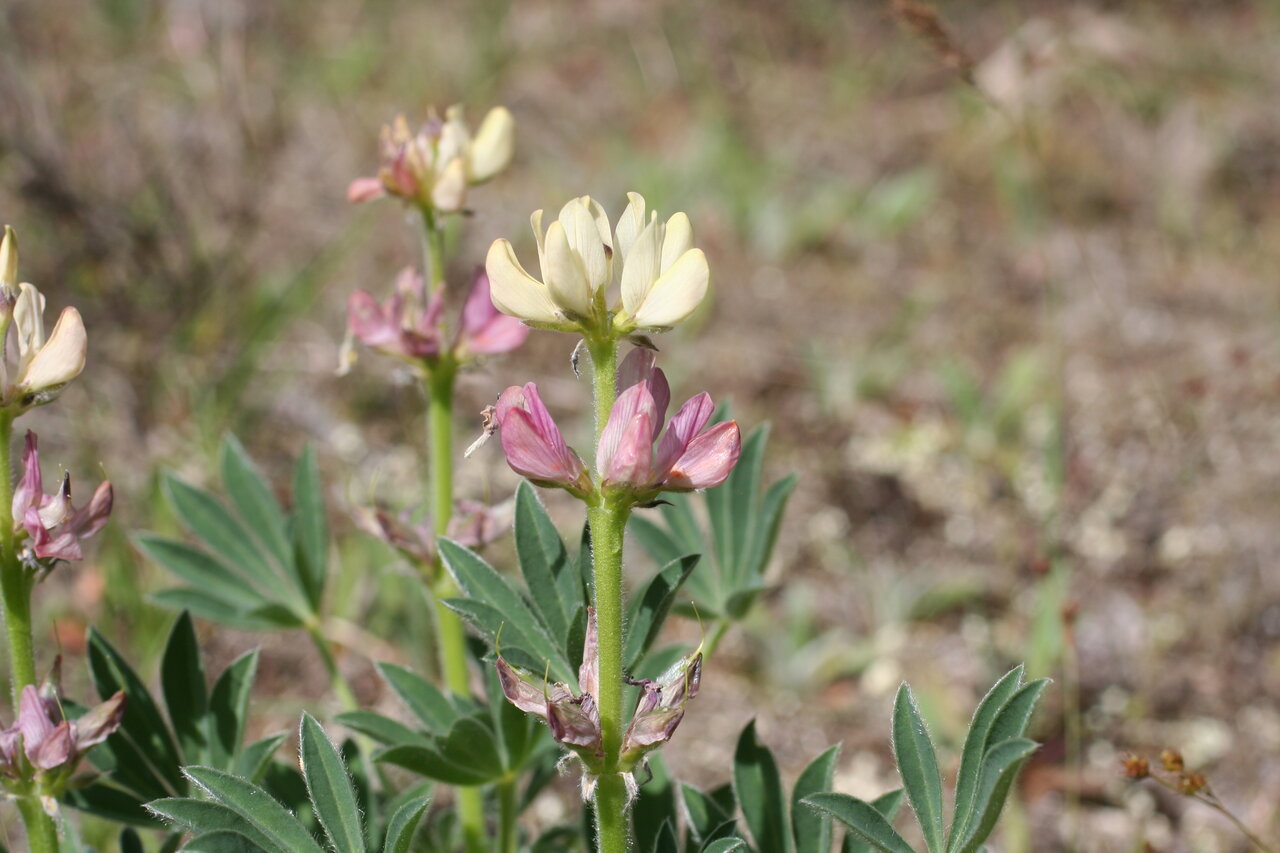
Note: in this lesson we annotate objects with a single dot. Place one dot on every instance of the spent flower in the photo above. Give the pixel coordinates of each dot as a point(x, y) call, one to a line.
point(662, 278)
point(433, 167)
point(51, 525)
point(472, 524)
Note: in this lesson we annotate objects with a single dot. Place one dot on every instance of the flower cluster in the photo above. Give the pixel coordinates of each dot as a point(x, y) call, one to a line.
point(45, 363)
point(409, 326)
point(42, 748)
point(51, 525)
point(661, 277)
point(433, 167)
point(635, 459)
point(574, 718)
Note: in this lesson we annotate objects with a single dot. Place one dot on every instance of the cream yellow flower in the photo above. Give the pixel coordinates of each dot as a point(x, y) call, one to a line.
point(435, 166)
point(662, 277)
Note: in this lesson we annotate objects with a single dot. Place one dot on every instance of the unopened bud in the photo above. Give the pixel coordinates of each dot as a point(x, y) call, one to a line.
point(1136, 766)
point(9, 261)
point(1191, 783)
point(1172, 760)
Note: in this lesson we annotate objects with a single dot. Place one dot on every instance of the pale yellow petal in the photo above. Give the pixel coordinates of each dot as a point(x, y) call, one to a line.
point(494, 144)
point(677, 239)
point(514, 291)
point(9, 260)
point(28, 316)
point(62, 357)
point(640, 269)
point(535, 221)
point(450, 190)
point(630, 223)
point(564, 274)
point(584, 238)
point(676, 294)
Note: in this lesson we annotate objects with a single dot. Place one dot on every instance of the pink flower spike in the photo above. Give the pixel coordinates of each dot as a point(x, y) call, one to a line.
point(533, 444)
point(484, 330)
point(708, 461)
point(632, 403)
point(365, 189)
point(53, 525)
point(406, 326)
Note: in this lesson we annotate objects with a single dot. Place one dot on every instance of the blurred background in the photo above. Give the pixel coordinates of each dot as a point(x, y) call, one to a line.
point(1008, 295)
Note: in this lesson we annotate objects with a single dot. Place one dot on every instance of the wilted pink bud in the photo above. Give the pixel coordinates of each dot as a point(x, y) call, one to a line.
point(661, 708)
point(53, 746)
point(534, 446)
point(54, 526)
point(686, 457)
point(473, 524)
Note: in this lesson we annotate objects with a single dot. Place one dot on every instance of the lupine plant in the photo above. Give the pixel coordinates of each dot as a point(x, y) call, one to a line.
point(563, 669)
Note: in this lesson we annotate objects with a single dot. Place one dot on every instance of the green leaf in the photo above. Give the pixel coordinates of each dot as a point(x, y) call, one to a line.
point(999, 769)
point(502, 635)
point(666, 841)
point(659, 544)
point(813, 829)
point(251, 762)
point(743, 488)
point(130, 842)
point(143, 725)
point(403, 825)
point(426, 761)
point(888, 805)
point(654, 807)
point(862, 820)
point(186, 696)
point(382, 729)
point(423, 699)
point(229, 540)
point(205, 574)
point(209, 607)
point(975, 746)
point(759, 791)
point(222, 841)
point(542, 558)
point(310, 525)
point(768, 523)
point(471, 743)
point(202, 816)
point(726, 845)
point(918, 766)
point(253, 501)
point(257, 807)
point(332, 796)
point(229, 705)
point(704, 814)
point(108, 801)
point(479, 581)
point(649, 610)
point(1012, 719)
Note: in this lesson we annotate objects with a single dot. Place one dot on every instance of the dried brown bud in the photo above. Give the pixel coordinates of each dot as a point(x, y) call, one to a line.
point(1172, 760)
point(1191, 783)
point(1136, 766)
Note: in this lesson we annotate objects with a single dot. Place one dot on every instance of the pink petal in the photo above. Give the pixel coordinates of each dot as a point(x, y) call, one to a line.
point(91, 518)
point(56, 749)
point(635, 400)
point(365, 189)
point(530, 454)
point(687, 423)
point(33, 721)
point(478, 310)
point(97, 724)
point(484, 330)
point(589, 672)
point(632, 460)
point(708, 461)
point(30, 488)
point(373, 325)
point(638, 366)
point(519, 692)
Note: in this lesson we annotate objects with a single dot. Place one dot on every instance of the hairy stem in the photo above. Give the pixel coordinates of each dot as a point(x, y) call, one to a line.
point(42, 834)
point(15, 581)
point(508, 811)
point(608, 522)
point(337, 681)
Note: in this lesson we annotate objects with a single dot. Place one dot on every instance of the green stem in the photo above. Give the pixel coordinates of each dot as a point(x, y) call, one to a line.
point(433, 248)
point(713, 643)
point(612, 819)
point(508, 811)
point(15, 581)
point(42, 834)
point(449, 629)
point(608, 522)
point(339, 683)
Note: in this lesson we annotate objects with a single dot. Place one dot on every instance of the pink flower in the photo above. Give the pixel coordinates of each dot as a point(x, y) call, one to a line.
point(533, 444)
point(50, 743)
point(687, 457)
point(54, 525)
point(408, 325)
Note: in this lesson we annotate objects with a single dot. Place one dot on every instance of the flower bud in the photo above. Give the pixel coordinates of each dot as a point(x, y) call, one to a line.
point(9, 262)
